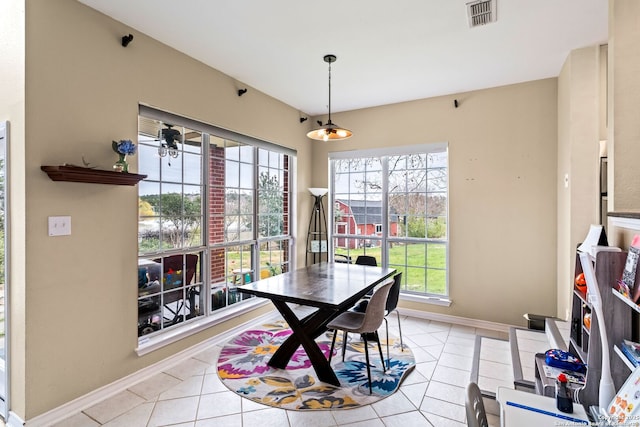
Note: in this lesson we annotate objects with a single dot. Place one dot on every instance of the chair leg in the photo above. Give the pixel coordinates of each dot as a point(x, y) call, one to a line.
point(344, 343)
point(366, 355)
point(386, 322)
point(333, 343)
point(400, 329)
point(380, 350)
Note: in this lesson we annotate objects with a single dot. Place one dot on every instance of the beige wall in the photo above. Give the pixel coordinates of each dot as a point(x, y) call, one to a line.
point(623, 112)
point(579, 111)
point(502, 159)
point(82, 92)
point(624, 108)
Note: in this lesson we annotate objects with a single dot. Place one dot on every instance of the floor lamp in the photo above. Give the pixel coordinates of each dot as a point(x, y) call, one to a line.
point(317, 241)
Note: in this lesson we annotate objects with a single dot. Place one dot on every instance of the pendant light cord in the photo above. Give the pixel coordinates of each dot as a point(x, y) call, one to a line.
point(330, 92)
point(329, 131)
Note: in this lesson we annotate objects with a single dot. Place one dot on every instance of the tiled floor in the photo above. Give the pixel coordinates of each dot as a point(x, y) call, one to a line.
point(494, 366)
point(529, 344)
point(191, 395)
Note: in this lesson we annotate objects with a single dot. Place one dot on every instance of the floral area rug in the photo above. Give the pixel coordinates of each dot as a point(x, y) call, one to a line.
point(242, 367)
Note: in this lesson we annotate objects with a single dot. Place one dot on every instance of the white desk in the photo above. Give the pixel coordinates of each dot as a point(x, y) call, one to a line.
point(523, 409)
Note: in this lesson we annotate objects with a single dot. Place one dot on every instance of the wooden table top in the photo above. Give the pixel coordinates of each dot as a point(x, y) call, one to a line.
point(326, 285)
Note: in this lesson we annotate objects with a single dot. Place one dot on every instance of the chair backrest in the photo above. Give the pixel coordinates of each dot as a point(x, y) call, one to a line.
point(476, 415)
point(374, 315)
point(394, 293)
point(366, 260)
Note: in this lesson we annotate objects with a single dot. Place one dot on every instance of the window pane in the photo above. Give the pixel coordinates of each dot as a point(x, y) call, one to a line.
point(246, 176)
point(148, 159)
point(232, 174)
point(192, 168)
point(246, 202)
point(168, 291)
point(171, 169)
point(232, 202)
point(232, 151)
point(341, 183)
point(231, 267)
point(263, 157)
point(436, 280)
point(148, 217)
point(246, 154)
point(246, 223)
point(273, 255)
point(416, 217)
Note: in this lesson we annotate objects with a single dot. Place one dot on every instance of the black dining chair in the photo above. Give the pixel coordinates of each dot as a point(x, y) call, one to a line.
point(367, 260)
point(366, 324)
point(391, 306)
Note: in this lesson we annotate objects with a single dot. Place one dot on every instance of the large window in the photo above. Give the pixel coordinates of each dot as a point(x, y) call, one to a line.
point(213, 215)
point(394, 207)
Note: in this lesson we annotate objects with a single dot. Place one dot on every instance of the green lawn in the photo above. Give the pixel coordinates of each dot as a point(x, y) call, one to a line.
point(416, 276)
point(411, 259)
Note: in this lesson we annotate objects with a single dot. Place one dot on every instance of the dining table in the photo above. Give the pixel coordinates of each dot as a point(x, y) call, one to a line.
point(330, 288)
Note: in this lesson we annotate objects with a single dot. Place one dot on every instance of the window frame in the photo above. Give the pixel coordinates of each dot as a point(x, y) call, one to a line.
point(385, 238)
point(210, 315)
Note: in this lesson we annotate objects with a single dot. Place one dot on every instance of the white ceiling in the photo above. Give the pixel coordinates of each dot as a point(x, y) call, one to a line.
point(388, 52)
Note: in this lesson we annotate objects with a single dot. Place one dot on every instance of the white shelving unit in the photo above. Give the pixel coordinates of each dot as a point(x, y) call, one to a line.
point(586, 342)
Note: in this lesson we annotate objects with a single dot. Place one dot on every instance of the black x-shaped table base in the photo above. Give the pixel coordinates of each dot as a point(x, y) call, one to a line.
point(305, 331)
point(330, 288)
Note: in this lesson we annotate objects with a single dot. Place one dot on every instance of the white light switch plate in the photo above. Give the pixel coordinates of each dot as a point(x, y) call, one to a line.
point(59, 225)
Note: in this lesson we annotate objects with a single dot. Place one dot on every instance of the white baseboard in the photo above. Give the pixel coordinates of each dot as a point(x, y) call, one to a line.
point(464, 321)
point(83, 402)
point(14, 420)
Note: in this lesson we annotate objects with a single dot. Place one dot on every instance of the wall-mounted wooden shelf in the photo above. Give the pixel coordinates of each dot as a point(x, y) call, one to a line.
point(88, 175)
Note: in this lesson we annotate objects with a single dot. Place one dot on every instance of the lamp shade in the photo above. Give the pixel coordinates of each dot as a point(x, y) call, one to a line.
point(316, 191)
point(329, 132)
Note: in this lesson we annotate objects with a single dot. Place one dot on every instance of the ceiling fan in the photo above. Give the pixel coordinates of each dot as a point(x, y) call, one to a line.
point(170, 136)
point(169, 139)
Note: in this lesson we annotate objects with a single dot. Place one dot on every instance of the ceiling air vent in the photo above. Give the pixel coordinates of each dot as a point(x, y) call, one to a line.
point(481, 12)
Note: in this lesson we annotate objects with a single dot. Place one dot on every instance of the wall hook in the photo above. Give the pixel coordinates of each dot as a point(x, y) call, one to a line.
point(126, 40)
point(303, 119)
point(242, 92)
point(455, 103)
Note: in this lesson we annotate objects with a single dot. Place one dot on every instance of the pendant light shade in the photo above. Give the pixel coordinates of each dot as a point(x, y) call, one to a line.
point(329, 131)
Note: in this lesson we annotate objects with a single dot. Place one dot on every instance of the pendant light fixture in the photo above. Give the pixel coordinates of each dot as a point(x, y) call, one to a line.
point(330, 131)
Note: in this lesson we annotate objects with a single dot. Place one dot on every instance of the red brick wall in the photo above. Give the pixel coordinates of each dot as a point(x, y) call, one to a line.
point(285, 203)
point(216, 212)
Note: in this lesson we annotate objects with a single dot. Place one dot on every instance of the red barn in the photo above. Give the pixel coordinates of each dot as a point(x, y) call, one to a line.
point(361, 217)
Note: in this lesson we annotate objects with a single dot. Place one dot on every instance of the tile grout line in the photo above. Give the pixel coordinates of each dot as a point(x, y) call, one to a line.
point(419, 328)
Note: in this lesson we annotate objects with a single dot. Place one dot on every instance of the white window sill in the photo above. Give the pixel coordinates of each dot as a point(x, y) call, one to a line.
point(443, 301)
point(147, 345)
